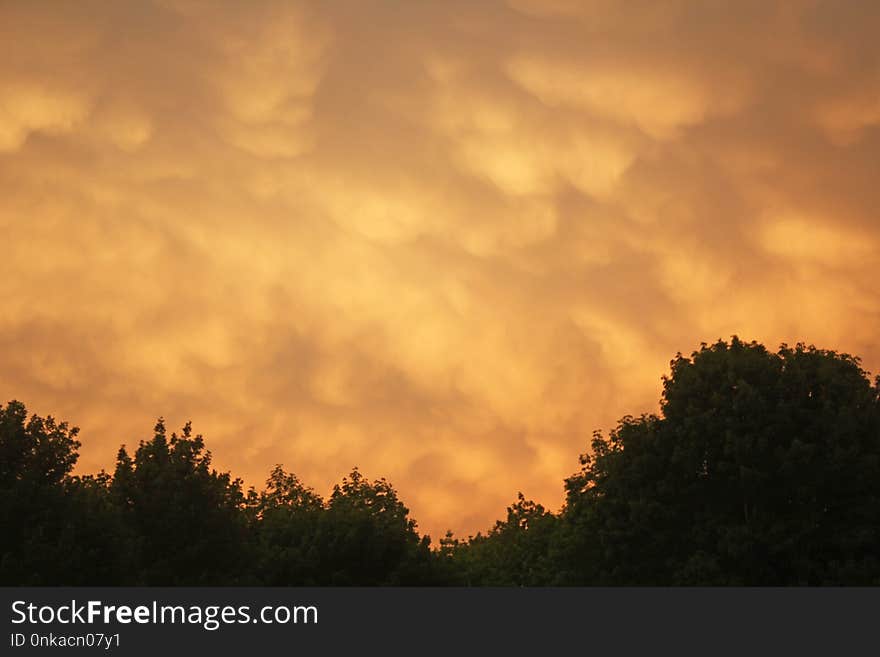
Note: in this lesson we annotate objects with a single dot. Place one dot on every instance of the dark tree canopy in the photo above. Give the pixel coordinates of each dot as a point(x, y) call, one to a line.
point(517, 551)
point(760, 468)
point(763, 468)
point(186, 517)
point(34, 452)
point(362, 535)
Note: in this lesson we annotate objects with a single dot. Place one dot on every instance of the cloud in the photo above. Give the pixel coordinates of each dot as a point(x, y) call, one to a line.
point(443, 242)
point(30, 109)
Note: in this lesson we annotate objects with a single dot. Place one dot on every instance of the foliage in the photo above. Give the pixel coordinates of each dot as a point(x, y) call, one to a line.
point(517, 551)
point(764, 468)
point(186, 518)
point(760, 468)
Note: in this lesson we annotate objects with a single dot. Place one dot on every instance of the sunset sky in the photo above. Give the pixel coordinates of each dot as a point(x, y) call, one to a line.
point(441, 241)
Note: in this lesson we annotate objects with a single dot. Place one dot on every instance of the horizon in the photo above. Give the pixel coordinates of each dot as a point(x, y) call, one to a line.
point(259, 486)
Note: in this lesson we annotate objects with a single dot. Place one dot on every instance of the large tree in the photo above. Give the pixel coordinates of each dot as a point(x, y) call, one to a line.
point(55, 528)
point(188, 518)
point(286, 517)
point(762, 468)
point(366, 537)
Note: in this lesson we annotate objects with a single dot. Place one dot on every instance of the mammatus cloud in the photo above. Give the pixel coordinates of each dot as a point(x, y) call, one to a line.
point(441, 241)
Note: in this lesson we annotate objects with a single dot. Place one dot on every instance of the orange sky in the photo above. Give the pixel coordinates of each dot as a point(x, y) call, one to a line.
point(442, 241)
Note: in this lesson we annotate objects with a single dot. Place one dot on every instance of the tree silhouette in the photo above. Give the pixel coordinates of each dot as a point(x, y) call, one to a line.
point(763, 468)
point(36, 456)
point(760, 468)
point(517, 551)
point(367, 537)
point(286, 521)
point(187, 518)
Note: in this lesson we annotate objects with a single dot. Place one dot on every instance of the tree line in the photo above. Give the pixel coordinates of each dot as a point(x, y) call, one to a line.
point(761, 468)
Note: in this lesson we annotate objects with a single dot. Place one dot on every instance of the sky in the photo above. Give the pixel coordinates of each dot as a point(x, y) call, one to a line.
point(440, 241)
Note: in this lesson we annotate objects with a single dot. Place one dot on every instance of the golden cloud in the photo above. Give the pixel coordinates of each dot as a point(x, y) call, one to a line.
point(443, 244)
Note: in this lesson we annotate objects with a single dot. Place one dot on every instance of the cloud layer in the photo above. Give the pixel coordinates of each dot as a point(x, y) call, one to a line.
point(442, 241)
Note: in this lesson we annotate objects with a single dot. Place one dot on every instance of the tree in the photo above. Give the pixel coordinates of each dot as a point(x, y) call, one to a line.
point(38, 451)
point(36, 456)
point(286, 519)
point(366, 537)
point(55, 528)
point(518, 551)
point(95, 546)
point(760, 468)
point(763, 468)
point(187, 518)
